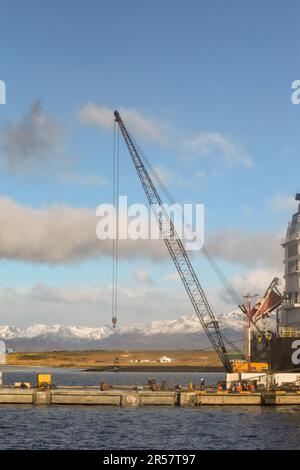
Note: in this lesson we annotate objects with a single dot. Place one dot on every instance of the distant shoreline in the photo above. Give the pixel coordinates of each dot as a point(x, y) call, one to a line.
point(127, 361)
point(156, 369)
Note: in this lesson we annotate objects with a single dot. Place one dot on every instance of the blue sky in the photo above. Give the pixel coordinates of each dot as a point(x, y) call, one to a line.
point(196, 69)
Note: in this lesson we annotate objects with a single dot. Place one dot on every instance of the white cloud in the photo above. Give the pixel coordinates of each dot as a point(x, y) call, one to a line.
point(90, 304)
point(61, 234)
point(140, 125)
point(85, 179)
point(143, 276)
point(164, 174)
point(209, 143)
point(168, 176)
point(175, 178)
point(97, 115)
point(246, 248)
point(164, 133)
point(174, 276)
point(254, 281)
point(283, 203)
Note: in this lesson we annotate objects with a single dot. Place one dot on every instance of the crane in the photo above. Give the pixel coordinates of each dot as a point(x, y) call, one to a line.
point(178, 253)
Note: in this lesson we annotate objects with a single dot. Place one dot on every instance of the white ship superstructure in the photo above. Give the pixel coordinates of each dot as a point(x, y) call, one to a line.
point(289, 314)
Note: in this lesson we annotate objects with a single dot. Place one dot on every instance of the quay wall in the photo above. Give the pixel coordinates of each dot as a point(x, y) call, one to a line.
point(130, 397)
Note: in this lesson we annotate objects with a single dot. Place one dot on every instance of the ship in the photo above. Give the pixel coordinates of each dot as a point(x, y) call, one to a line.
point(280, 347)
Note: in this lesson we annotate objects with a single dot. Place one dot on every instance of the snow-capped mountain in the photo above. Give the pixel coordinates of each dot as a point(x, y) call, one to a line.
point(186, 324)
point(183, 332)
point(64, 331)
point(8, 332)
point(234, 320)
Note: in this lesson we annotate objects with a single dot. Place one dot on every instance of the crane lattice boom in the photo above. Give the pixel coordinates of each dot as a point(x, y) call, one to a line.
point(178, 252)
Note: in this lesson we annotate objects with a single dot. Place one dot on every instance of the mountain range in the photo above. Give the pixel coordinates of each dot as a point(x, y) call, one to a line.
point(182, 333)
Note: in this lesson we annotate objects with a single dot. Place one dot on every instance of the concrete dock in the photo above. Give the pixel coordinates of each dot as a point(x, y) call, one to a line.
point(86, 396)
point(124, 398)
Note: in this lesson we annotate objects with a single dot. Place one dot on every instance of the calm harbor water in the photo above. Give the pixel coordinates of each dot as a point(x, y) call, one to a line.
point(100, 427)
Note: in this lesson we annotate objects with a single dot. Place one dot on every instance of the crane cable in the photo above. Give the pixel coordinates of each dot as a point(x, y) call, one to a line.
point(115, 247)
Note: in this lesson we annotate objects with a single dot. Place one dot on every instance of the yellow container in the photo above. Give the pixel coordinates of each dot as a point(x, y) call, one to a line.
point(43, 379)
point(255, 366)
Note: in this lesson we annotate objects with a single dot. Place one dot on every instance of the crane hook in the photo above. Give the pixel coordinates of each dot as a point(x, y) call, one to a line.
point(114, 321)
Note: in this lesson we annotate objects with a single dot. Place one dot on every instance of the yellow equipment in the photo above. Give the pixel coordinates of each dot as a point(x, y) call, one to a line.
point(44, 380)
point(254, 367)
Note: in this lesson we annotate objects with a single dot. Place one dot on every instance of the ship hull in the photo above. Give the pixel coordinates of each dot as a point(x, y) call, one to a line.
point(282, 353)
point(285, 354)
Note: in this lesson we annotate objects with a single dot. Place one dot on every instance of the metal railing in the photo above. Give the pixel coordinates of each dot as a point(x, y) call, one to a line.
point(288, 332)
point(291, 302)
point(293, 236)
